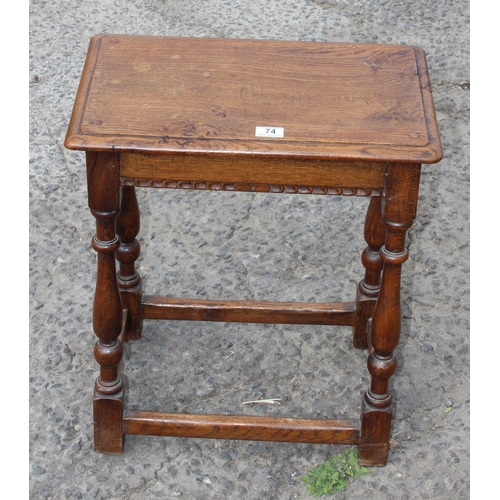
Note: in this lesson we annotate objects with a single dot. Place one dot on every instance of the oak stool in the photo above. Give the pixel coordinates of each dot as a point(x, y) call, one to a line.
point(258, 116)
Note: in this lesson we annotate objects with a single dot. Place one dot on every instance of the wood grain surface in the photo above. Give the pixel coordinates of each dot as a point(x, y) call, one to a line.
point(292, 430)
point(178, 95)
point(247, 311)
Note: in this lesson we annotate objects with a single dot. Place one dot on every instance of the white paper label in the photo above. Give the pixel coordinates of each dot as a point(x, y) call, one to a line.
point(269, 132)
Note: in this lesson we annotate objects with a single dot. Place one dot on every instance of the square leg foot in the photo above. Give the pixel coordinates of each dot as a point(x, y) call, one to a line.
point(108, 423)
point(374, 435)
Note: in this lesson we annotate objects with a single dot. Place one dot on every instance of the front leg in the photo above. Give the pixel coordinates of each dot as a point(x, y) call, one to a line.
point(401, 197)
point(103, 195)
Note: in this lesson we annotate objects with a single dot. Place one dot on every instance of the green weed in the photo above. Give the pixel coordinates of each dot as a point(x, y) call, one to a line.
point(335, 474)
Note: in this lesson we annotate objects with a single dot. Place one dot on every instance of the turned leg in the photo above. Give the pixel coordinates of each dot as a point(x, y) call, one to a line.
point(401, 194)
point(368, 288)
point(129, 281)
point(103, 189)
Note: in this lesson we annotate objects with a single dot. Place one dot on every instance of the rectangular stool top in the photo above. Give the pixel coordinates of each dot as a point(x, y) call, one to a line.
point(302, 100)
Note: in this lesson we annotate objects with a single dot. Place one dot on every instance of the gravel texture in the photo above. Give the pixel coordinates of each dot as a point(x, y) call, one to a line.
point(246, 245)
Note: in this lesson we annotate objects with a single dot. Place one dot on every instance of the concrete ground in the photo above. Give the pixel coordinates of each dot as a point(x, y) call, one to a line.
point(213, 245)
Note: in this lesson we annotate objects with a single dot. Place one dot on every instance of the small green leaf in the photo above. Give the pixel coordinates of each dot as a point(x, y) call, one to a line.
point(335, 474)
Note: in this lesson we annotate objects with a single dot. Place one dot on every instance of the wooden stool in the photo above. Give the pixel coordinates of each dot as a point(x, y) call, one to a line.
point(260, 116)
